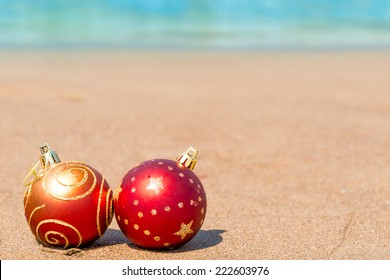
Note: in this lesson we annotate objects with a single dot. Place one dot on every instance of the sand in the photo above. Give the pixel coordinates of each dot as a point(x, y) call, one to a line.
point(293, 146)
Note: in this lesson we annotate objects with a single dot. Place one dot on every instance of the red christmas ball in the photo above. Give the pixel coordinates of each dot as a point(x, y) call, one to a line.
point(161, 204)
point(67, 204)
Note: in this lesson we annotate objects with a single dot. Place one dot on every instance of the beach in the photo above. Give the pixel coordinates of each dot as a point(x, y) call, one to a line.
point(293, 146)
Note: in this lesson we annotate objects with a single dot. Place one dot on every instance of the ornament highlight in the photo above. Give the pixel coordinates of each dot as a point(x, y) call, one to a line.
point(161, 204)
point(66, 204)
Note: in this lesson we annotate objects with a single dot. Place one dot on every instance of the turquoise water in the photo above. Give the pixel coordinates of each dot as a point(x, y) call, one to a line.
point(195, 24)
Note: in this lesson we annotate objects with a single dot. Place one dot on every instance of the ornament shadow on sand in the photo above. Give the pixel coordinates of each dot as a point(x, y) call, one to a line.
point(203, 239)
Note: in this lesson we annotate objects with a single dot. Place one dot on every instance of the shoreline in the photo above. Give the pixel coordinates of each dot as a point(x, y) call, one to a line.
point(227, 49)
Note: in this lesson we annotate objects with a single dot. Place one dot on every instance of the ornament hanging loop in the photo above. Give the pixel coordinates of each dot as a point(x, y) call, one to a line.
point(47, 159)
point(188, 158)
point(32, 175)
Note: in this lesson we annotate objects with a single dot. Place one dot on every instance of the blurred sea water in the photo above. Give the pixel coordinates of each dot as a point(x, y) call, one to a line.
point(226, 24)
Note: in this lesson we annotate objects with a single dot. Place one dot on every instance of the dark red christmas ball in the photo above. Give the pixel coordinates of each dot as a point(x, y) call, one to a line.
point(161, 204)
point(67, 204)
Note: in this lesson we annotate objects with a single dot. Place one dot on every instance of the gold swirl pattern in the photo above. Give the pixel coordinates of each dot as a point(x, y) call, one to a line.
point(55, 241)
point(27, 195)
point(66, 178)
point(63, 177)
point(52, 240)
point(33, 212)
point(98, 208)
point(109, 206)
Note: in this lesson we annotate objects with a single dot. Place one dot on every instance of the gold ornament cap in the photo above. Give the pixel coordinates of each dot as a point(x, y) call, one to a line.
point(48, 156)
point(188, 158)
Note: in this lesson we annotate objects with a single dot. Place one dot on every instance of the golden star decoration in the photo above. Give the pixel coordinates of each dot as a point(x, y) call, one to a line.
point(184, 230)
